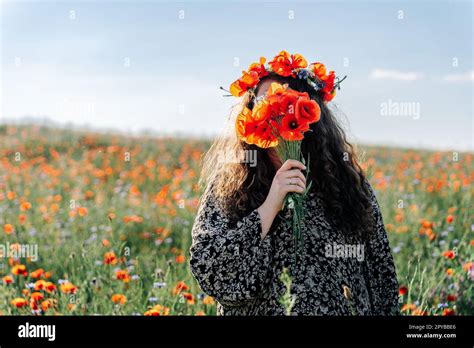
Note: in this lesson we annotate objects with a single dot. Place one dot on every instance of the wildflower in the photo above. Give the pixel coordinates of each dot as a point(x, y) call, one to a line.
point(468, 266)
point(451, 298)
point(450, 272)
point(25, 206)
point(37, 273)
point(157, 310)
point(82, 211)
point(37, 296)
point(68, 288)
point(408, 307)
point(8, 228)
point(180, 259)
point(188, 297)
point(403, 290)
point(449, 219)
point(448, 311)
point(19, 270)
point(200, 313)
point(110, 258)
point(119, 299)
point(46, 304)
point(208, 300)
point(19, 302)
point(122, 275)
point(180, 286)
point(8, 279)
point(449, 254)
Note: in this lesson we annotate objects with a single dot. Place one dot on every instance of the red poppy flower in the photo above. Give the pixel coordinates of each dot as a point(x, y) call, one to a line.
point(292, 128)
point(403, 290)
point(284, 63)
point(451, 298)
point(308, 110)
point(259, 68)
point(449, 254)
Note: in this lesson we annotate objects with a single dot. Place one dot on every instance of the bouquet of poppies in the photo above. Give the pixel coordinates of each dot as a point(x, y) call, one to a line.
point(281, 117)
point(280, 120)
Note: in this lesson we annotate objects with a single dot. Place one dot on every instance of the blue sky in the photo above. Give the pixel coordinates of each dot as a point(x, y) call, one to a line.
point(136, 66)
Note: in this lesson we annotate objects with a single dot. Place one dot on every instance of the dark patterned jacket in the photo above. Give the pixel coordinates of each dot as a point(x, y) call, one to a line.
point(242, 272)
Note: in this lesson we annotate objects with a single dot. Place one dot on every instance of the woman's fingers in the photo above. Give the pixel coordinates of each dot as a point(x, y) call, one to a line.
point(294, 182)
point(289, 164)
point(294, 173)
point(299, 188)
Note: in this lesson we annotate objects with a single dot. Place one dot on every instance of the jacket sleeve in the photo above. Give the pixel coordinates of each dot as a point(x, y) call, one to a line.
point(230, 264)
point(382, 276)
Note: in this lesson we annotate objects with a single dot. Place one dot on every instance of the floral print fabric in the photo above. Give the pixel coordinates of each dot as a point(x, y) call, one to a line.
point(241, 271)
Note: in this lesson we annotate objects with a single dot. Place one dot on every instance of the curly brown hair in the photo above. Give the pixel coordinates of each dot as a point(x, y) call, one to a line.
point(337, 178)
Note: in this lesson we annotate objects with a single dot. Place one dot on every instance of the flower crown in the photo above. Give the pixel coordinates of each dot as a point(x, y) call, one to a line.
point(286, 65)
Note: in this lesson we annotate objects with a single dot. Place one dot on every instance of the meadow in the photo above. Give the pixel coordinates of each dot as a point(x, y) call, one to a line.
point(111, 216)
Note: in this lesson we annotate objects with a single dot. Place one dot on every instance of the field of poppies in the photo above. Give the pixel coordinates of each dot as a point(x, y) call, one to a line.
point(100, 224)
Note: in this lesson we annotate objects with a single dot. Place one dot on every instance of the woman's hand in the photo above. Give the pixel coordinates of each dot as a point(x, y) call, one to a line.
point(288, 178)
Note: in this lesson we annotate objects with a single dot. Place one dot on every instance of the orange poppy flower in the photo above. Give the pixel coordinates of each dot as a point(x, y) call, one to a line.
point(46, 304)
point(256, 131)
point(259, 68)
point(37, 296)
point(449, 254)
point(468, 266)
point(157, 311)
point(25, 206)
point(19, 270)
point(408, 307)
point(328, 90)
point(189, 297)
point(208, 300)
point(8, 228)
point(284, 63)
point(82, 211)
point(122, 275)
point(448, 311)
point(119, 299)
point(37, 273)
point(403, 290)
point(319, 70)
point(110, 258)
point(248, 80)
point(49, 287)
point(180, 286)
point(68, 288)
point(19, 302)
point(180, 259)
point(8, 279)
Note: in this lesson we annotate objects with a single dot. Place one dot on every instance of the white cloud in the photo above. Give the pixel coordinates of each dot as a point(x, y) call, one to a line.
point(468, 76)
point(379, 74)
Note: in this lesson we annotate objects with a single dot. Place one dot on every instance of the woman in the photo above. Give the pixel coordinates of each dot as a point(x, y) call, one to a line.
point(241, 243)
